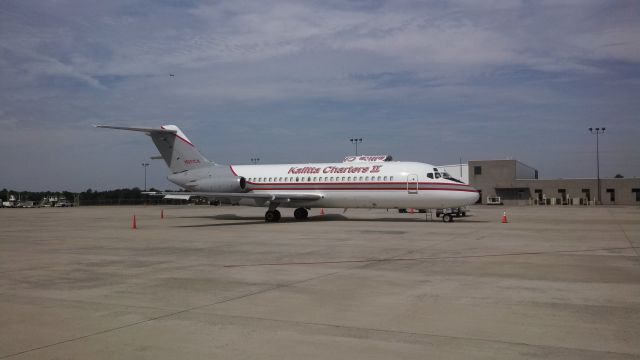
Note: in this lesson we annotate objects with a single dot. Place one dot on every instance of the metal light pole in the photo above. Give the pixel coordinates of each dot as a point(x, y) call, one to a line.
point(254, 161)
point(597, 132)
point(145, 166)
point(356, 141)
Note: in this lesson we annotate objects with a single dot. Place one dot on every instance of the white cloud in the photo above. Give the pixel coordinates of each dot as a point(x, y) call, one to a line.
point(330, 66)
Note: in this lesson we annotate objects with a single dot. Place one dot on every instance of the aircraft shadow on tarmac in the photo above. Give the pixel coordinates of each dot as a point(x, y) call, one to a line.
point(249, 220)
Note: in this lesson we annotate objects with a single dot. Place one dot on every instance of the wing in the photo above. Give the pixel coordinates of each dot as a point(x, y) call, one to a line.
point(258, 197)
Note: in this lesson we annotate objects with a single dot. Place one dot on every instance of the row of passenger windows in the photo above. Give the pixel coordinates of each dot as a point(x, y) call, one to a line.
point(321, 179)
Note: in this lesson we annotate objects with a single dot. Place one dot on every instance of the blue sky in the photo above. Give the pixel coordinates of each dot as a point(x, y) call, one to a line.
point(292, 81)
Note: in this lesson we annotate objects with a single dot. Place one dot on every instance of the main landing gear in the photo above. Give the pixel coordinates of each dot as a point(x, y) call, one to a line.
point(301, 214)
point(273, 215)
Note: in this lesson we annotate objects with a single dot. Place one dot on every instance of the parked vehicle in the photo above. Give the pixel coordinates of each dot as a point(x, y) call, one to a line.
point(458, 212)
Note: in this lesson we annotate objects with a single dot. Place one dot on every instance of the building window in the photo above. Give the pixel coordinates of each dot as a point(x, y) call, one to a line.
point(612, 195)
point(637, 191)
point(538, 194)
point(477, 170)
point(563, 194)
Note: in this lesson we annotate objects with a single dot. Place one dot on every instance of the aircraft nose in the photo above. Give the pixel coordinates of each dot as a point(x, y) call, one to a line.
point(473, 196)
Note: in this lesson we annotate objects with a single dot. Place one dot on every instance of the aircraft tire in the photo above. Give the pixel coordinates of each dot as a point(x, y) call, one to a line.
point(301, 214)
point(447, 218)
point(272, 216)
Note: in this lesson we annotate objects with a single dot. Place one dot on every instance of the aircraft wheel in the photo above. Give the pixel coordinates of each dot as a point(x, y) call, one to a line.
point(301, 214)
point(447, 218)
point(272, 216)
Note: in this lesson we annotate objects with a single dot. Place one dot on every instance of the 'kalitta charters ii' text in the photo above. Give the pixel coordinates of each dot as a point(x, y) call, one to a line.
point(335, 170)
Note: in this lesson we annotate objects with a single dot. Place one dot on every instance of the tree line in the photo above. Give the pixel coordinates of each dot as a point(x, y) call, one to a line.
point(133, 196)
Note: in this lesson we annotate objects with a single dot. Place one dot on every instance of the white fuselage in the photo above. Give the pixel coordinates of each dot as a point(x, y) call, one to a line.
point(358, 185)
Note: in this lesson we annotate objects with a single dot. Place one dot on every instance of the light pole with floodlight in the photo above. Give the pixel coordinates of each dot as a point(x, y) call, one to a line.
point(356, 141)
point(145, 166)
point(597, 132)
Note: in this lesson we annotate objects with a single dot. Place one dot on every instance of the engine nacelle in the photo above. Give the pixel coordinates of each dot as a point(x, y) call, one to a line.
point(227, 184)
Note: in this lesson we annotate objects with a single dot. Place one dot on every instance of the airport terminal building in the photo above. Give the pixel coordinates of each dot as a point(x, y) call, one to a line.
point(511, 182)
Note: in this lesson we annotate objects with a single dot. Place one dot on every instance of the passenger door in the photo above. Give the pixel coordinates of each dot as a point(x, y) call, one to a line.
point(412, 184)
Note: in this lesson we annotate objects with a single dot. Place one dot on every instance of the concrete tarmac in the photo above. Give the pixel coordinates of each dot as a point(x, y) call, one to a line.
point(218, 282)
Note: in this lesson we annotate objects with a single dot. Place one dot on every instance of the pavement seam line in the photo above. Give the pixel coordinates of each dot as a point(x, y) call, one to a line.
point(412, 333)
point(435, 257)
point(625, 234)
point(270, 288)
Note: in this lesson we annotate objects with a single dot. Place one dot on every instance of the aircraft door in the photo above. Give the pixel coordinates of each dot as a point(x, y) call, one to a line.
point(412, 184)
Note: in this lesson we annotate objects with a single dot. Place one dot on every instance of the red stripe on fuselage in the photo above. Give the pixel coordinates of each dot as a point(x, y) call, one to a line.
point(354, 183)
point(400, 186)
point(365, 189)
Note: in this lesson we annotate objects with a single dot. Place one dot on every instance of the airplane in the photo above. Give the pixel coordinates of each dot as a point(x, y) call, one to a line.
point(358, 182)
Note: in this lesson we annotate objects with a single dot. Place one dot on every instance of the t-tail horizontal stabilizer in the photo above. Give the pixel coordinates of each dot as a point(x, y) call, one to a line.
point(175, 148)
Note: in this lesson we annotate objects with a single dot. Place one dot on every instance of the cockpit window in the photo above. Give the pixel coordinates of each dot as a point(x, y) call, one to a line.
point(430, 175)
point(437, 175)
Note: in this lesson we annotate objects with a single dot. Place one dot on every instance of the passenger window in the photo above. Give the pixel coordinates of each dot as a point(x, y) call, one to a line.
point(385, 178)
point(391, 178)
point(366, 178)
point(360, 178)
point(297, 179)
point(331, 179)
point(309, 178)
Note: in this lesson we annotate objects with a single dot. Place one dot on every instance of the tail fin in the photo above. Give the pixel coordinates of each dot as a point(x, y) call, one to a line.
point(175, 148)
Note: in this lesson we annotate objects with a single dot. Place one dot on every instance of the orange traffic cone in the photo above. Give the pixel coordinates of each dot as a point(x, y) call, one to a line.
point(321, 211)
point(133, 224)
point(504, 217)
point(162, 214)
